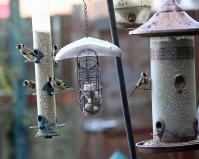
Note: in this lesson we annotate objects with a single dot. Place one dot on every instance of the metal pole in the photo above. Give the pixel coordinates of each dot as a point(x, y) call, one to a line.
point(122, 82)
point(18, 95)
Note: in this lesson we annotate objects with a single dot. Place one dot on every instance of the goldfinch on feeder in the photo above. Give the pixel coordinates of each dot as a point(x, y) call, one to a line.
point(29, 55)
point(58, 85)
point(30, 84)
point(55, 51)
point(143, 81)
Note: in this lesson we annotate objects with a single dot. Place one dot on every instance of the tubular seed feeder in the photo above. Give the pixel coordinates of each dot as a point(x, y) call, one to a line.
point(175, 125)
point(86, 52)
point(131, 13)
point(46, 106)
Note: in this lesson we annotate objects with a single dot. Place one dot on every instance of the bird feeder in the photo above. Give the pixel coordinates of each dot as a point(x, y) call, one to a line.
point(187, 5)
point(46, 106)
point(175, 125)
point(86, 51)
point(131, 13)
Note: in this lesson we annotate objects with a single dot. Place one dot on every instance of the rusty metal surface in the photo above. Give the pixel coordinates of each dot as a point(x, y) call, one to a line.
point(152, 146)
point(170, 19)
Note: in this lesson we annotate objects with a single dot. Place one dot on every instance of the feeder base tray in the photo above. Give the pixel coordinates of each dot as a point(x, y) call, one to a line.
point(47, 134)
point(152, 146)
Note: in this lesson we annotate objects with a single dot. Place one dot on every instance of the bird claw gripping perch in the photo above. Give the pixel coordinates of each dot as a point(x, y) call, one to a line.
point(27, 61)
point(47, 130)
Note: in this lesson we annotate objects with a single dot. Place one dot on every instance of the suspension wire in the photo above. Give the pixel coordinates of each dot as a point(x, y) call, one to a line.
point(85, 19)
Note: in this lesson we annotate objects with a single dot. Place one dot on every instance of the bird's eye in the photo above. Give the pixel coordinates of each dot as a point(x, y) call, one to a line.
point(144, 74)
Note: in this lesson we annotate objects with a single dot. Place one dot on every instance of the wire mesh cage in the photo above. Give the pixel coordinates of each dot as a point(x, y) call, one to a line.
point(86, 51)
point(89, 82)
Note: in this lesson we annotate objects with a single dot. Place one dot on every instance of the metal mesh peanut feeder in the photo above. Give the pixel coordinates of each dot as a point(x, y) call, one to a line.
point(86, 52)
point(89, 82)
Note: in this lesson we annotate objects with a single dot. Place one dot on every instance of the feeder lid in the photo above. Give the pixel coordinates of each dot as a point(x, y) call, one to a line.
point(101, 48)
point(169, 20)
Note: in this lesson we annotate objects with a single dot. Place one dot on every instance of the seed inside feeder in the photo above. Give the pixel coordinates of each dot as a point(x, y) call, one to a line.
point(46, 105)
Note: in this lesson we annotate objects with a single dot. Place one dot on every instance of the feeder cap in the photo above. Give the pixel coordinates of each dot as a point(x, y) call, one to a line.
point(169, 20)
point(100, 47)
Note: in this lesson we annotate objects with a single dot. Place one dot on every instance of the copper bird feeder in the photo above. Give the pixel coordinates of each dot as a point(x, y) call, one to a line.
point(175, 125)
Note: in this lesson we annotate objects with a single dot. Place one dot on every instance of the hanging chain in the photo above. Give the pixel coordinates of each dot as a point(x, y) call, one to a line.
point(85, 18)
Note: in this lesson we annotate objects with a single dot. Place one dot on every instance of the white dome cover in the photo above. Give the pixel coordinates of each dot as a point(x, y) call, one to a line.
point(101, 47)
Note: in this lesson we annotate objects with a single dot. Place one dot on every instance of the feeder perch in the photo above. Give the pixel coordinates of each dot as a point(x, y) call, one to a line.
point(131, 13)
point(172, 52)
point(47, 130)
point(86, 52)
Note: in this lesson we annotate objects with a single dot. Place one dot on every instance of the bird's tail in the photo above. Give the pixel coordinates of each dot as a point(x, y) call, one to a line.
point(130, 95)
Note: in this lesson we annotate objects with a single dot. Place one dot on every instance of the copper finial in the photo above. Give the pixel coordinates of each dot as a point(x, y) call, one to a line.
point(170, 19)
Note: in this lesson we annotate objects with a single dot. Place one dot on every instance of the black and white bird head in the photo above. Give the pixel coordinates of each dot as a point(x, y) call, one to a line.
point(26, 83)
point(144, 74)
point(55, 48)
point(20, 46)
point(50, 78)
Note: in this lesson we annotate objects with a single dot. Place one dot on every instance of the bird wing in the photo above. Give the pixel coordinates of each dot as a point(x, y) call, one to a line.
point(140, 82)
point(130, 95)
point(55, 52)
point(59, 82)
point(145, 80)
point(26, 49)
point(33, 84)
point(28, 53)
